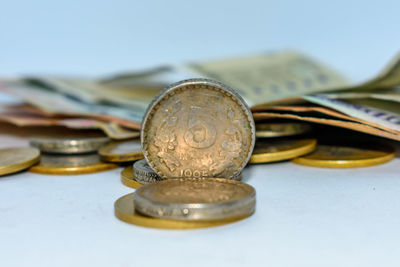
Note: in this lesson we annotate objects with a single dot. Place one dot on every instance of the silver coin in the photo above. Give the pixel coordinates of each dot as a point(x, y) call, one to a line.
point(68, 145)
point(196, 199)
point(143, 174)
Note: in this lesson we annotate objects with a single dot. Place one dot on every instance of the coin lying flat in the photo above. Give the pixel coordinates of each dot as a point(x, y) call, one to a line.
point(125, 211)
point(197, 128)
point(281, 129)
point(272, 150)
point(144, 174)
point(17, 159)
point(124, 151)
point(328, 156)
point(196, 199)
point(71, 164)
point(68, 145)
point(128, 179)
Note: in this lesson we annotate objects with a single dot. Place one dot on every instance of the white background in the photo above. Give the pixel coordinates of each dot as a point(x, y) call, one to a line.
point(305, 216)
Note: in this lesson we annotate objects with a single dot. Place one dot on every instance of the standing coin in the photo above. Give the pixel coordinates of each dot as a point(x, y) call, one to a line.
point(197, 128)
point(327, 156)
point(196, 199)
point(17, 159)
point(128, 179)
point(271, 150)
point(68, 145)
point(281, 129)
point(71, 164)
point(124, 151)
point(144, 174)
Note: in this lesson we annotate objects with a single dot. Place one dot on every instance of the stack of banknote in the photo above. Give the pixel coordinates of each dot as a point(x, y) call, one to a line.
point(277, 86)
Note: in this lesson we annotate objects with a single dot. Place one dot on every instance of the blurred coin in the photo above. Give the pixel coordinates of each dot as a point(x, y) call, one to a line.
point(271, 150)
point(71, 164)
point(328, 156)
point(197, 128)
point(144, 174)
point(17, 158)
point(281, 129)
point(202, 199)
point(124, 151)
point(128, 179)
point(68, 145)
point(125, 211)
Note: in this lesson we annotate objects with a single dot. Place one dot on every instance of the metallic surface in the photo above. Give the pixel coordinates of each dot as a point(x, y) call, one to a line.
point(281, 129)
point(68, 145)
point(144, 174)
point(128, 179)
point(125, 211)
point(124, 151)
point(71, 164)
point(196, 199)
point(197, 128)
point(271, 150)
point(17, 158)
point(347, 157)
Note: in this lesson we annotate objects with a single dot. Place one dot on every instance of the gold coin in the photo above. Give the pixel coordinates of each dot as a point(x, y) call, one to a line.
point(125, 211)
point(272, 150)
point(201, 199)
point(197, 128)
point(17, 159)
point(71, 164)
point(128, 179)
point(327, 156)
point(281, 129)
point(124, 151)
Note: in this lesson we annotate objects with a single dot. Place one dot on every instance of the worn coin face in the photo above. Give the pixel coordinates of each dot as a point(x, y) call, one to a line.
point(71, 164)
point(144, 174)
point(68, 145)
point(272, 150)
point(196, 199)
point(197, 128)
point(281, 129)
point(125, 211)
point(124, 151)
point(329, 156)
point(17, 158)
point(128, 179)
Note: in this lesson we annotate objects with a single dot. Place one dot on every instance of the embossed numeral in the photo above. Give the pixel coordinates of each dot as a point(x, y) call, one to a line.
point(196, 173)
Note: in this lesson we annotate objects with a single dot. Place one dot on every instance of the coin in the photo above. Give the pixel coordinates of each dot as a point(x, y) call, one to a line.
point(329, 156)
point(272, 150)
point(17, 159)
point(124, 151)
point(144, 174)
point(281, 129)
point(71, 164)
point(197, 128)
point(125, 211)
point(196, 199)
point(128, 179)
point(68, 145)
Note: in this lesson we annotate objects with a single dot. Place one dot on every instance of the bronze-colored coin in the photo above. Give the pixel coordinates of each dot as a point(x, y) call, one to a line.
point(197, 128)
point(272, 150)
point(71, 164)
point(128, 179)
point(327, 156)
point(196, 199)
point(125, 211)
point(281, 129)
point(17, 159)
point(69, 145)
point(124, 151)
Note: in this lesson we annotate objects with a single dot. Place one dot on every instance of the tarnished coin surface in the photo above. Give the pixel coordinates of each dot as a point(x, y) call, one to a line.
point(281, 129)
point(71, 164)
point(128, 179)
point(144, 174)
point(68, 145)
point(272, 150)
point(124, 151)
point(196, 199)
point(125, 211)
point(329, 156)
point(17, 159)
point(197, 128)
